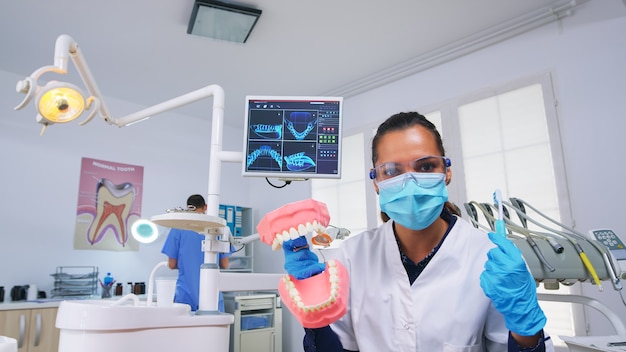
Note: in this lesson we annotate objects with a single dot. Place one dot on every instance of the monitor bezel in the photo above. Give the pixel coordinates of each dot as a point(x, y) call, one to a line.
point(291, 176)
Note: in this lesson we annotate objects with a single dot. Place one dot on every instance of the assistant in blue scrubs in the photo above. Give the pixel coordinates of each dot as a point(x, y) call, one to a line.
point(184, 251)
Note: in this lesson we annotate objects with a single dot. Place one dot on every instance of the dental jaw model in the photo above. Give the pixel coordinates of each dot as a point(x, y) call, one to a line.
point(315, 293)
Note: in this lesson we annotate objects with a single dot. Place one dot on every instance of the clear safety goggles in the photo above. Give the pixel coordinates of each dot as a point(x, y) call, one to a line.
point(427, 164)
point(422, 179)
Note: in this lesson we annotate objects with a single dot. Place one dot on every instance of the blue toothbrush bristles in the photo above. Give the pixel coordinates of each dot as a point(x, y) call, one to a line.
point(500, 225)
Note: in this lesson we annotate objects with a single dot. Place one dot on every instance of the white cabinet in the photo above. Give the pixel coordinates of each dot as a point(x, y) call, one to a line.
point(34, 329)
point(258, 322)
point(258, 340)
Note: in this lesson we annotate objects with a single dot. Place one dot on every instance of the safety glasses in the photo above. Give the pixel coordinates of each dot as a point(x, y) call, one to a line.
point(427, 164)
point(424, 180)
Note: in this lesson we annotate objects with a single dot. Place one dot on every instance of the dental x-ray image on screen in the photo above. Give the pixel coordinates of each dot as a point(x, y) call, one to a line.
point(293, 137)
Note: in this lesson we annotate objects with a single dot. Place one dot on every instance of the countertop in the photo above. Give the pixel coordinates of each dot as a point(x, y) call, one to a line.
point(40, 303)
point(52, 302)
point(55, 302)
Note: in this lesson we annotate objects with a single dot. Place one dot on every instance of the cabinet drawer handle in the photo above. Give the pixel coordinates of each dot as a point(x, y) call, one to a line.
point(38, 331)
point(20, 340)
point(259, 304)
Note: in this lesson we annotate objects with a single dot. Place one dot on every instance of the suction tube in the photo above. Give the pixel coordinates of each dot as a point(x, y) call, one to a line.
point(151, 282)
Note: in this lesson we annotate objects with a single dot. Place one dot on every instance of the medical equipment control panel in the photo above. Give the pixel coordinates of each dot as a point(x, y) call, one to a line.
point(610, 239)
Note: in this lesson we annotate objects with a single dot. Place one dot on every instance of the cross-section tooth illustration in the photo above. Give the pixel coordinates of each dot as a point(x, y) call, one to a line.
point(113, 205)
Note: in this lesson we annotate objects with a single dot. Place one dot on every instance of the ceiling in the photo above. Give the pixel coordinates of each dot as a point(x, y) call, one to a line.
point(139, 51)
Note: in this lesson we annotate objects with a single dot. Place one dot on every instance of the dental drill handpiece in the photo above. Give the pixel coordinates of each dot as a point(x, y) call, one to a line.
point(519, 208)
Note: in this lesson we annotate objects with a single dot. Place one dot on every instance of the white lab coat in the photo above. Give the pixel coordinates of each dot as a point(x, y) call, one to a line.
point(444, 310)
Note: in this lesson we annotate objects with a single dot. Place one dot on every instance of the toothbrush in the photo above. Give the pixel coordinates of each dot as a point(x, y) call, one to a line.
point(500, 225)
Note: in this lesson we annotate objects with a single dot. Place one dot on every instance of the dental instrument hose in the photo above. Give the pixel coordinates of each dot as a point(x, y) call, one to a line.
point(501, 226)
point(539, 254)
point(590, 268)
point(519, 209)
point(577, 246)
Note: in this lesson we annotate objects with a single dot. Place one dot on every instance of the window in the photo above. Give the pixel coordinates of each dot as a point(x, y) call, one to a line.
point(345, 197)
point(505, 143)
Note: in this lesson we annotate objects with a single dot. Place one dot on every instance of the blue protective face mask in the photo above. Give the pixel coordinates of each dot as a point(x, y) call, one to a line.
point(414, 200)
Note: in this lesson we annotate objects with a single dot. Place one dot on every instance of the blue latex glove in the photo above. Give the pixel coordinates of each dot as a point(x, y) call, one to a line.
point(300, 262)
point(511, 287)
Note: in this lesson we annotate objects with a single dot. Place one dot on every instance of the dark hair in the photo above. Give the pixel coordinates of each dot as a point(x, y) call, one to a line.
point(402, 121)
point(196, 200)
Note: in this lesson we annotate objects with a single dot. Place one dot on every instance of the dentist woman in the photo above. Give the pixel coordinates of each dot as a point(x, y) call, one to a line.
point(427, 280)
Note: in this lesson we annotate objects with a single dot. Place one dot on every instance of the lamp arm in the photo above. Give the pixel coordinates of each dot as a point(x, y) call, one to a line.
point(62, 48)
point(212, 90)
point(66, 45)
point(216, 153)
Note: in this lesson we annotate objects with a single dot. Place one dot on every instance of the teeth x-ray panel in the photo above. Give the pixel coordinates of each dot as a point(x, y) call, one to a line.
point(293, 137)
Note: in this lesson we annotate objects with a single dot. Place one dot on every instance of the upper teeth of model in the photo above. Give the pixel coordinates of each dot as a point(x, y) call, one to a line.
point(294, 233)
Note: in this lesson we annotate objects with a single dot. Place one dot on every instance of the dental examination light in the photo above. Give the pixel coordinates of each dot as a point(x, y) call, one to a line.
point(60, 102)
point(63, 102)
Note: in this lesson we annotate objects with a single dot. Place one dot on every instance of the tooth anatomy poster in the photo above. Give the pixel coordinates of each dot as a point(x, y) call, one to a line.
point(109, 202)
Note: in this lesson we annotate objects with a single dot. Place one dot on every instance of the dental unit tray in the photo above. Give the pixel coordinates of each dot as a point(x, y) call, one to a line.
point(554, 254)
point(568, 267)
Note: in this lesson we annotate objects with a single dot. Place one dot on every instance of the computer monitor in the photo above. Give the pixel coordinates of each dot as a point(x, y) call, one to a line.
point(293, 138)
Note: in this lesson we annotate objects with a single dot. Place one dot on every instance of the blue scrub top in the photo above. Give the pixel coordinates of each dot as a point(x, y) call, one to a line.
point(186, 247)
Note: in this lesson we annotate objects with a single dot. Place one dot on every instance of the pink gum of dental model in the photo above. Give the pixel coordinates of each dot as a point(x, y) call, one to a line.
point(290, 216)
point(321, 299)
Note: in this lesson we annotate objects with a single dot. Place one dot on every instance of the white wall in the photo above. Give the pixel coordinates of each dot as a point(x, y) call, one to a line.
point(586, 55)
